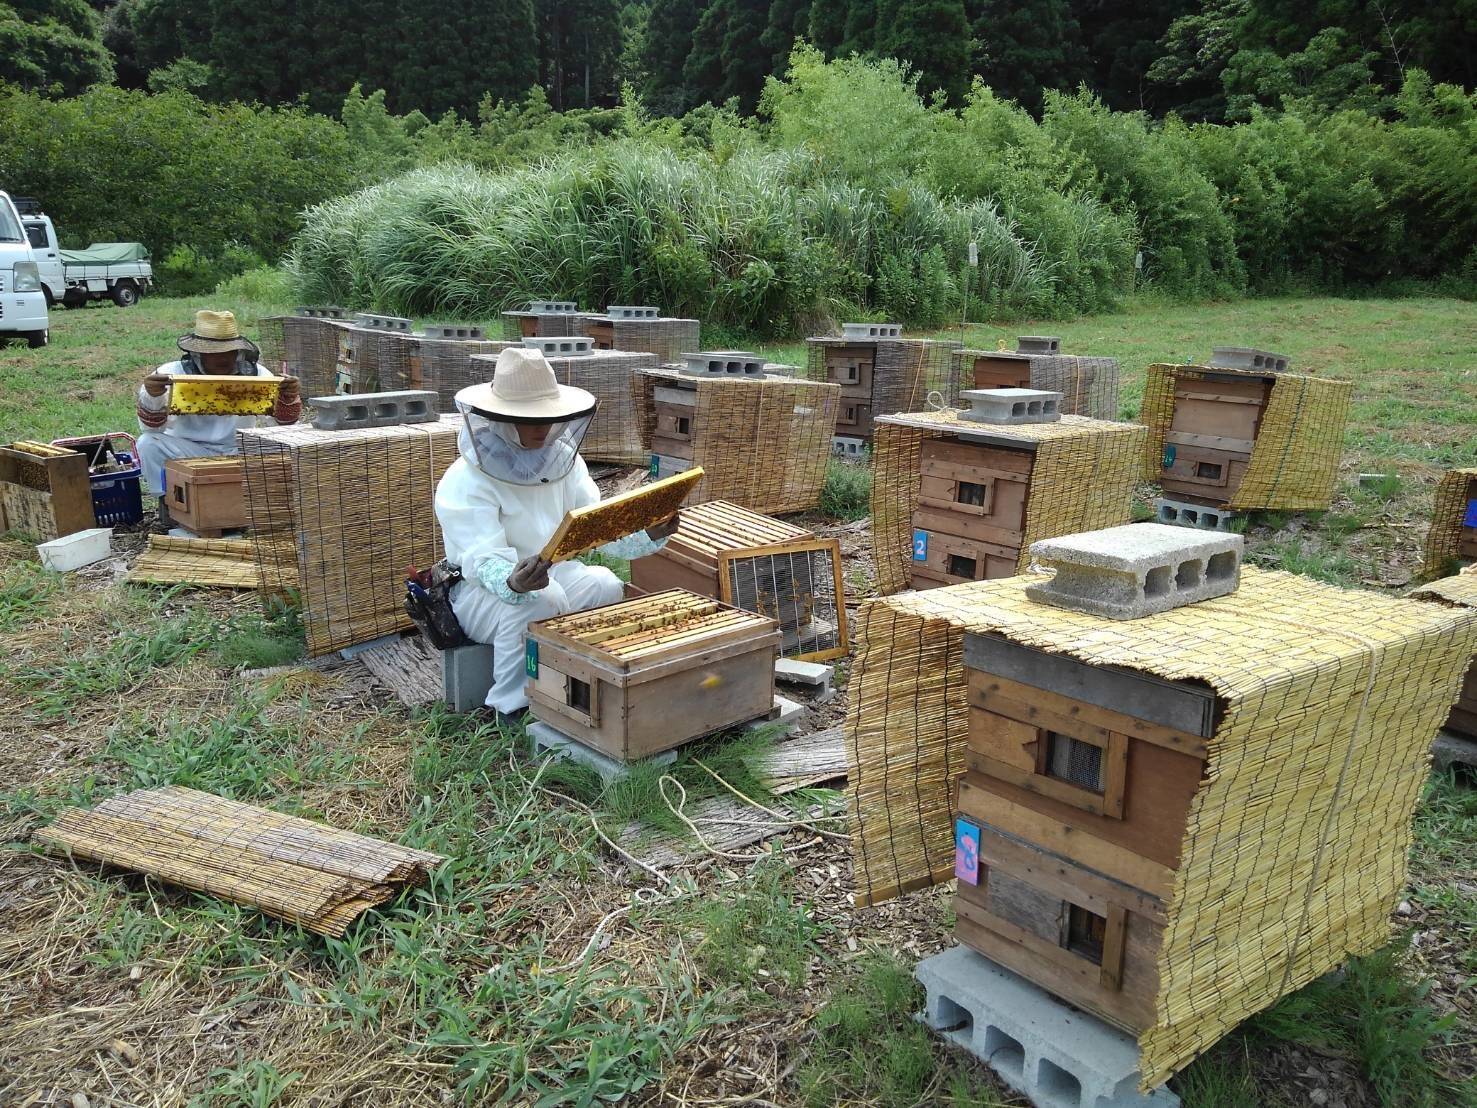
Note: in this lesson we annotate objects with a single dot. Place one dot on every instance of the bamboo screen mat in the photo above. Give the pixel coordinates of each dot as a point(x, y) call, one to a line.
point(1089, 386)
point(305, 346)
point(1295, 458)
point(666, 339)
point(1447, 513)
point(553, 325)
point(449, 365)
point(306, 873)
point(337, 516)
point(1295, 849)
point(609, 375)
point(907, 374)
point(1460, 588)
point(763, 444)
point(1082, 480)
point(171, 560)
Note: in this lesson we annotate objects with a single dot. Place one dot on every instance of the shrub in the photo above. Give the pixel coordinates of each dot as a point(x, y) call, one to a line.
point(186, 271)
point(263, 285)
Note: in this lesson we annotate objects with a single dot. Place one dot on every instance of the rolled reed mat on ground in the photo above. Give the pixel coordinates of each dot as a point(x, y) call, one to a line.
point(1295, 457)
point(303, 872)
point(1448, 513)
point(1295, 850)
point(171, 560)
point(1082, 479)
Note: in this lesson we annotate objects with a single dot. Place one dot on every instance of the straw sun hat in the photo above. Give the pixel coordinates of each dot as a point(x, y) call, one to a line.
point(523, 389)
point(215, 333)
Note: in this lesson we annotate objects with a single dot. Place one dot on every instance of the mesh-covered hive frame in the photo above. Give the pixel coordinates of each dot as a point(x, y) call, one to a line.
point(1295, 849)
point(337, 516)
point(667, 339)
point(1082, 479)
point(1450, 530)
point(1089, 386)
point(763, 442)
point(799, 585)
point(1295, 456)
point(907, 375)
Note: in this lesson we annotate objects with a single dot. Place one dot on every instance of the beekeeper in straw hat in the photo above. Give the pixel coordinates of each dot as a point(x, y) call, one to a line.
point(214, 346)
point(502, 500)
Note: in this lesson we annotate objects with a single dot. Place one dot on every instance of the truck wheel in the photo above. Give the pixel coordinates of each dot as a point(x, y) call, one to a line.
point(125, 294)
point(50, 300)
point(36, 339)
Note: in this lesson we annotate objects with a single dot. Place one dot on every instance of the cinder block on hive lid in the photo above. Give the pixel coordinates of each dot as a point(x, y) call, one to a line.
point(1038, 344)
point(373, 409)
point(1006, 406)
point(724, 363)
point(564, 346)
point(452, 331)
point(871, 331)
point(1137, 569)
point(383, 322)
point(632, 311)
point(1243, 357)
point(551, 307)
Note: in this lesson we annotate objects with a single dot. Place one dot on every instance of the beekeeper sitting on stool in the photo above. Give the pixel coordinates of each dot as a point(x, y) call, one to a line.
point(214, 347)
point(503, 499)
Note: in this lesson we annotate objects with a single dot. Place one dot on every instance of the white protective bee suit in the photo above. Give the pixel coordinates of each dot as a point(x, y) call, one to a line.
point(500, 502)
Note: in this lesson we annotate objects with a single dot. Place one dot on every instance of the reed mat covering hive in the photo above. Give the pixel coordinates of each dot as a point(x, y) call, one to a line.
point(303, 345)
point(666, 338)
point(337, 516)
point(1460, 588)
point(621, 515)
point(306, 873)
point(173, 560)
point(1295, 457)
point(1295, 851)
point(905, 372)
point(1082, 479)
point(1447, 516)
point(218, 394)
point(609, 376)
point(1089, 386)
point(449, 365)
point(762, 442)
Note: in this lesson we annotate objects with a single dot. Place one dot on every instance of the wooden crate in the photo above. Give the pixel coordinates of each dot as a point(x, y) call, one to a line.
point(46, 493)
point(1000, 371)
point(646, 675)
point(1208, 445)
point(969, 520)
point(761, 565)
point(1080, 779)
point(207, 495)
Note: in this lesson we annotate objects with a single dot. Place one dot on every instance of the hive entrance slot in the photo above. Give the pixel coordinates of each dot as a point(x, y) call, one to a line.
point(1086, 933)
point(971, 493)
point(960, 566)
point(1210, 471)
point(578, 695)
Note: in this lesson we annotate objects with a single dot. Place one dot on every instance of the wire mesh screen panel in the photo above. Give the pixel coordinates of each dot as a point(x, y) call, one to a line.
point(1074, 761)
point(1299, 441)
point(337, 516)
point(797, 584)
point(1296, 835)
point(615, 433)
point(1089, 386)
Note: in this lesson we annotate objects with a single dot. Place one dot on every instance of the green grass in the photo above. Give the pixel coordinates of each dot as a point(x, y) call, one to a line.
point(26, 592)
point(847, 493)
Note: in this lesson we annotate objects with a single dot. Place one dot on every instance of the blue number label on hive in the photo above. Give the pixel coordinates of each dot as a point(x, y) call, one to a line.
point(530, 658)
point(655, 467)
point(966, 852)
point(920, 546)
point(1471, 517)
point(1169, 456)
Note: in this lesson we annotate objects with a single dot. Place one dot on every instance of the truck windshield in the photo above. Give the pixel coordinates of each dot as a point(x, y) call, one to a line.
point(10, 227)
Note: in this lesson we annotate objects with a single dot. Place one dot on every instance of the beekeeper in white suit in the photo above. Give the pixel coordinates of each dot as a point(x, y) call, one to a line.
point(503, 499)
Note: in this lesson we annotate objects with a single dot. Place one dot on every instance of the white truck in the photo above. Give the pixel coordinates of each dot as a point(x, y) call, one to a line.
point(22, 302)
point(116, 271)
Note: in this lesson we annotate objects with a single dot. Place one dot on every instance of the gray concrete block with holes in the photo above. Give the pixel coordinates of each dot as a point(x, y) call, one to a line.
point(550, 740)
point(552, 307)
point(565, 346)
point(1012, 406)
point(723, 363)
point(1137, 569)
point(849, 446)
point(383, 322)
point(1051, 1053)
point(1038, 344)
point(632, 311)
point(466, 675)
point(1244, 357)
point(451, 331)
point(1180, 513)
point(871, 332)
point(373, 409)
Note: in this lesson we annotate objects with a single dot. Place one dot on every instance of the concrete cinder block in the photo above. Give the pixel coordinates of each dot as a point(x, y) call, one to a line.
point(632, 311)
point(871, 332)
point(550, 740)
point(1007, 406)
point(466, 675)
point(452, 331)
point(724, 363)
point(373, 409)
point(1451, 749)
point(319, 313)
point(552, 307)
point(812, 675)
point(384, 322)
point(848, 446)
point(564, 347)
point(1137, 569)
point(1051, 1053)
point(1180, 513)
point(1038, 344)
point(1243, 357)
point(785, 715)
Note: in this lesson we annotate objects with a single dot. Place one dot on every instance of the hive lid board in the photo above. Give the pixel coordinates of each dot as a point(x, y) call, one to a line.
point(1183, 705)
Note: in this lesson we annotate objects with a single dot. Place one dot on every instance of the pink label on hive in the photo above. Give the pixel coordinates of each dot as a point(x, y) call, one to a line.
point(966, 852)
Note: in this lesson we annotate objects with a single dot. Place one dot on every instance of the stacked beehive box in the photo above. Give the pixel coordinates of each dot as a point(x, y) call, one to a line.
point(543, 319)
point(305, 344)
point(1179, 818)
point(762, 439)
point(373, 350)
point(336, 516)
point(759, 564)
point(1452, 538)
point(610, 376)
point(445, 358)
point(643, 328)
point(646, 675)
point(879, 373)
point(1089, 386)
point(1244, 433)
point(45, 490)
point(954, 500)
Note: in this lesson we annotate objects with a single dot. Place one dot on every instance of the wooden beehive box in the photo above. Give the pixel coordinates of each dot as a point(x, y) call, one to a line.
point(206, 495)
point(665, 338)
point(543, 319)
point(879, 376)
point(646, 675)
point(1078, 781)
point(971, 511)
point(761, 565)
point(1460, 588)
point(45, 490)
point(1208, 446)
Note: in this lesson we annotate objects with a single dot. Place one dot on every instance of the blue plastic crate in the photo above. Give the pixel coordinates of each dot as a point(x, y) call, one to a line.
point(118, 497)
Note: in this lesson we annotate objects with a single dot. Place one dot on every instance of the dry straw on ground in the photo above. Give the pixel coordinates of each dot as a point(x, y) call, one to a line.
point(1296, 846)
